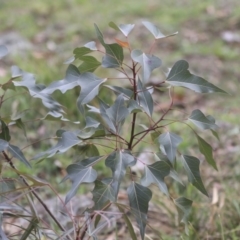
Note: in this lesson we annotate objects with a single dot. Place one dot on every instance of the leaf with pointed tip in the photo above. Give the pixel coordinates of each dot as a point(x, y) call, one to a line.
point(3, 51)
point(16, 71)
point(119, 90)
point(139, 197)
point(3, 145)
point(91, 45)
point(147, 61)
point(155, 31)
point(93, 109)
point(21, 125)
point(106, 118)
point(4, 131)
point(201, 121)
point(184, 207)
point(114, 26)
point(80, 52)
point(99, 34)
point(67, 140)
point(118, 162)
point(78, 174)
point(180, 76)
point(56, 117)
point(8, 85)
point(134, 107)
point(114, 56)
point(17, 153)
point(87, 150)
point(69, 60)
point(89, 87)
point(124, 28)
point(117, 113)
point(90, 64)
point(144, 98)
point(103, 193)
point(155, 173)
point(212, 119)
point(91, 123)
point(191, 165)
point(206, 150)
point(169, 142)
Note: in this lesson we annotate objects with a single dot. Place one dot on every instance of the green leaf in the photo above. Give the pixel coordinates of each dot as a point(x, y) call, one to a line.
point(144, 98)
point(3, 145)
point(206, 150)
point(134, 107)
point(67, 140)
point(119, 90)
point(81, 172)
point(80, 52)
point(180, 76)
point(169, 142)
point(90, 64)
point(5, 135)
point(155, 173)
point(184, 207)
point(21, 125)
point(3, 51)
point(114, 26)
point(201, 121)
point(114, 56)
point(99, 34)
point(155, 31)
point(89, 87)
point(191, 165)
point(139, 197)
point(103, 193)
point(148, 63)
point(17, 153)
point(128, 222)
point(117, 113)
point(212, 119)
point(118, 162)
point(87, 150)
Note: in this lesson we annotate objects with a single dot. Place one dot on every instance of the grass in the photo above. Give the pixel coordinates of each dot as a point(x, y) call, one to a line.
point(55, 28)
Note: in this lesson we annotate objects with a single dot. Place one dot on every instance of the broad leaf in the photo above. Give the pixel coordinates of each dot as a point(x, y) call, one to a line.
point(56, 117)
point(212, 119)
point(139, 197)
point(78, 175)
point(65, 142)
point(103, 193)
point(184, 207)
point(144, 98)
point(133, 106)
point(118, 162)
point(3, 51)
point(87, 150)
point(180, 76)
point(91, 123)
point(117, 113)
point(21, 125)
point(17, 153)
point(124, 28)
point(80, 52)
point(91, 45)
point(155, 173)
point(206, 150)
point(90, 64)
point(155, 31)
point(148, 63)
point(5, 135)
point(3, 145)
point(201, 121)
point(89, 87)
point(169, 142)
point(119, 90)
point(191, 165)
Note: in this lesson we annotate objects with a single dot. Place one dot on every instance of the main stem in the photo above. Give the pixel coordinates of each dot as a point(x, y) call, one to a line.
point(134, 114)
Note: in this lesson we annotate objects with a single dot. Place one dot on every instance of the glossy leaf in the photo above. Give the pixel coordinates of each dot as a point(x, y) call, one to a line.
point(117, 113)
point(184, 208)
point(103, 193)
point(118, 162)
point(119, 90)
point(201, 121)
point(90, 64)
point(169, 142)
point(206, 150)
point(148, 63)
point(89, 87)
point(155, 173)
point(180, 76)
point(17, 153)
point(78, 175)
point(67, 140)
point(144, 98)
point(3, 51)
point(155, 31)
point(5, 135)
point(3, 145)
point(191, 165)
point(139, 197)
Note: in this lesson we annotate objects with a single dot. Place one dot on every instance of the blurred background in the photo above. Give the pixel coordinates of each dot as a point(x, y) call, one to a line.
point(41, 35)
